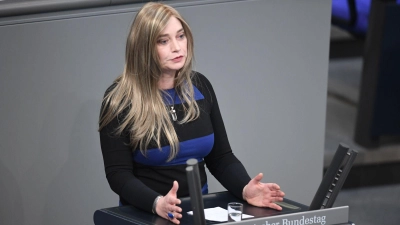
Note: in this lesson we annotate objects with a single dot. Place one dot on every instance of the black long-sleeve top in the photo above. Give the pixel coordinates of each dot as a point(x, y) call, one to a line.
point(139, 179)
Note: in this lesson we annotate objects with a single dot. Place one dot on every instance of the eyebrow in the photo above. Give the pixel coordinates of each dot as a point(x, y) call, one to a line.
point(164, 35)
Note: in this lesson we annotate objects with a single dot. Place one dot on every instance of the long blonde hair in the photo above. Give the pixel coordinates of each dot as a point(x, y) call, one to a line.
point(136, 90)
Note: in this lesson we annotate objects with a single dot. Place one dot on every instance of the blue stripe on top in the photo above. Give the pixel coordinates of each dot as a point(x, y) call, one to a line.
point(196, 148)
point(172, 95)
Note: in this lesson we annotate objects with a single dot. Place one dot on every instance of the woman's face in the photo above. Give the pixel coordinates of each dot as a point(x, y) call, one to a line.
point(172, 47)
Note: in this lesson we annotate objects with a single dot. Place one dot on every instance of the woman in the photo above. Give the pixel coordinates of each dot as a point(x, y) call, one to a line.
point(158, 114)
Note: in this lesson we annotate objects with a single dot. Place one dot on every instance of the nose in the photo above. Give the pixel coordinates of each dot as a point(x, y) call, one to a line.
point(175, 46)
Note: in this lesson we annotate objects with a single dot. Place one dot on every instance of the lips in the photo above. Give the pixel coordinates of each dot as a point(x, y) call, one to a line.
point(177, 59)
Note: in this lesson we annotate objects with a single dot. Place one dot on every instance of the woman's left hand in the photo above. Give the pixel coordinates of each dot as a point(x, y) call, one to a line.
point(263, 194)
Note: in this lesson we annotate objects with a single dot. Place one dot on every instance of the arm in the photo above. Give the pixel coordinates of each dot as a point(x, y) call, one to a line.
point(230, 172)
point(118, 163)
point(221, 161)
point(117, 157)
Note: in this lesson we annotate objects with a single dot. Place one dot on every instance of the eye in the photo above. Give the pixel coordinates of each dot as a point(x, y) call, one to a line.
point(181, 36)
point(162, 41)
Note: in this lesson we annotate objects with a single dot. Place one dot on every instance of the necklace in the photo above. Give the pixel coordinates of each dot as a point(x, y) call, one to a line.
point(172, 110)
point(173, 113)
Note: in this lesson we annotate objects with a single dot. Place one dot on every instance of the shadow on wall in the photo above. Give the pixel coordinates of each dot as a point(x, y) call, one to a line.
point(13, 213)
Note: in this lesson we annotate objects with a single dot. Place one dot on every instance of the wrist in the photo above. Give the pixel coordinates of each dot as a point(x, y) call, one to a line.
point(153, 210)
point(244, 193)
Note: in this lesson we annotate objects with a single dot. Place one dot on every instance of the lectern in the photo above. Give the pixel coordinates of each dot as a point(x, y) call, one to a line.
point(292, 213)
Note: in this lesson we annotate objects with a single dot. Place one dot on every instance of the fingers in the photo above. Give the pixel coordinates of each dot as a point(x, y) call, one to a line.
point(173, 214)
point(277, 199)
point(175, 187)
point(174, 208)
point(174, 211)
point(273, 186)
point(172, 200)
point(274, 206)
point(167, 206)
point(173, 194)
point(258, 178)
point(174, 217)
point(277, 194)
point(271, 198)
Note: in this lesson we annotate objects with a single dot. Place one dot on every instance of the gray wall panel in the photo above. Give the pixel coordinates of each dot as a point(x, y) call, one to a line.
point(267, 61)
point(53, 77)
point(270, 75)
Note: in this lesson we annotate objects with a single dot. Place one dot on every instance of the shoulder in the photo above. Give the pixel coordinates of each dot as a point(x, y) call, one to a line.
point(204, 86)
point(110, 88)
point(199, 78)
point(201, 82)
point(106, 104)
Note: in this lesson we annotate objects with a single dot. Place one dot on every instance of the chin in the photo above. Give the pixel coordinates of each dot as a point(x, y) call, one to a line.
point(176, 68)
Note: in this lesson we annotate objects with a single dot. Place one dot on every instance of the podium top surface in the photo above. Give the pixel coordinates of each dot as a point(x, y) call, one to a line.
point(131, 215)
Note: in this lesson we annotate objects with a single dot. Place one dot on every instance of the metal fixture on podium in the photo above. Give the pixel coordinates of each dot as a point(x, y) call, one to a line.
point(196, 198)
point(334, 178)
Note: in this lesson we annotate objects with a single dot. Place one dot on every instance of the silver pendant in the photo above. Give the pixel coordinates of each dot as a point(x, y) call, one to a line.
point(173, 114)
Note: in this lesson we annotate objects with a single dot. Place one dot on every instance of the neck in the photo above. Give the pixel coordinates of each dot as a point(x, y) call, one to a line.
point(167, 81)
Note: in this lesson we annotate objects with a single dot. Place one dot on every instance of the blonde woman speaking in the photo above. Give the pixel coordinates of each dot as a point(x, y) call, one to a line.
point(158, 114)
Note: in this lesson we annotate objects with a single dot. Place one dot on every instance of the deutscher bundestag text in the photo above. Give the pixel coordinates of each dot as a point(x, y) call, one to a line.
point(303, 221)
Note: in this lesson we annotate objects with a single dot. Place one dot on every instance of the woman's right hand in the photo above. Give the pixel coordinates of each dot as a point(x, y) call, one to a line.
point(168, 205)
